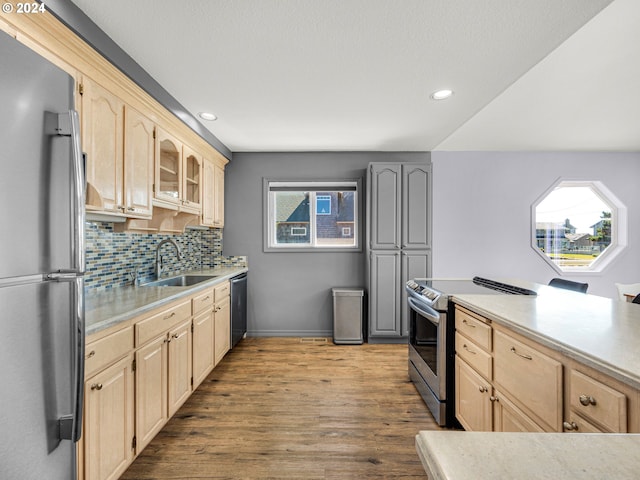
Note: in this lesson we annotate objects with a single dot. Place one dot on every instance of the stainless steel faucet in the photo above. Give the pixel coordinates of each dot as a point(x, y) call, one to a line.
point(159, 257)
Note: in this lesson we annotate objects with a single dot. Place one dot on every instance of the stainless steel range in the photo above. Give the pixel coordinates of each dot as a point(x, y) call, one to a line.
point(431, 336)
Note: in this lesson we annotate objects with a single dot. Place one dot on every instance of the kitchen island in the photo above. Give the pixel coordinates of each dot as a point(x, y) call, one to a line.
point(559, 361)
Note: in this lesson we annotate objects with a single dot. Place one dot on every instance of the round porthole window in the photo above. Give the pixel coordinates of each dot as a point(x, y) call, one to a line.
point(578, 226)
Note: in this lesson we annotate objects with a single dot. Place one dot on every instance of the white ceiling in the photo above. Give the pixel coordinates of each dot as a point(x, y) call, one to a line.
point(338, 75)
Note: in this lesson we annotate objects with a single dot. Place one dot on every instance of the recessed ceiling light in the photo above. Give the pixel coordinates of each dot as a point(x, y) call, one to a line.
point(441, 94)
point(207, 116)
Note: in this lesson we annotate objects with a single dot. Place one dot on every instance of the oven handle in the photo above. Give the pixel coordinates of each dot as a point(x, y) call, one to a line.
point(432, 315)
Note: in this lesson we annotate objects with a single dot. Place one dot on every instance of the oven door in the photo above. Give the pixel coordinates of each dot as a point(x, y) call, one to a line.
point(427, 342)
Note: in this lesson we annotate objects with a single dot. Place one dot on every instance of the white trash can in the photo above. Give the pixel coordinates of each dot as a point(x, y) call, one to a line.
point(347, 315)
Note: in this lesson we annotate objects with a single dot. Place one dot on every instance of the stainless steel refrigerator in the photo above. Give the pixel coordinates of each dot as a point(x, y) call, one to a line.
point(41, 268)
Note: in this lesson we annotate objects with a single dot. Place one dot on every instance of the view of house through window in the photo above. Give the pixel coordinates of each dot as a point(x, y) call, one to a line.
point(574, 225)
point(312, 215)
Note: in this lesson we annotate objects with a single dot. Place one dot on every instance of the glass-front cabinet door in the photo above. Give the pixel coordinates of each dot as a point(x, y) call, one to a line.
point(168, 186)
point(192, 182)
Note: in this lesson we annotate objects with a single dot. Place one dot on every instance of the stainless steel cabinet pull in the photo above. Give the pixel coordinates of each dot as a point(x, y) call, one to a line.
point(173, 314)
point(464, 320)
point(570, 426)
point(91, 354)
point(587, 400)
point(96, 386)
point(467, 349)
point(527, 357)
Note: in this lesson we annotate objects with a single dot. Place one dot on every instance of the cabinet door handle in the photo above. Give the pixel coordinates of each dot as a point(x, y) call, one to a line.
point(587, 400)
point(96, 386)
point(483, 389)
point(467, 349)
point(493, 398)
point(526, 357)
point(570, 426)
point(464, 320)
point(91, 354)
point(173, 314)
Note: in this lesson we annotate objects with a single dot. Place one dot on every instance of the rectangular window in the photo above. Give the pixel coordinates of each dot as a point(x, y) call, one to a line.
point(311, 215)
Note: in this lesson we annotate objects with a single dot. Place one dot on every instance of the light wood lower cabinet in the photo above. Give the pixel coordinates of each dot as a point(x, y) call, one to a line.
point(108, 422)
point(133, 388)
point(509, 418)
point(222, 333)
point(203, 346)
point(179, 370)
point(473, 398)
point(506, 382)
point(151, 390)
point(530, 377)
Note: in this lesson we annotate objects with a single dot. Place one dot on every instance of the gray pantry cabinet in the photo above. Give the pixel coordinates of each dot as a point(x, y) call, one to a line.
point(398, 242)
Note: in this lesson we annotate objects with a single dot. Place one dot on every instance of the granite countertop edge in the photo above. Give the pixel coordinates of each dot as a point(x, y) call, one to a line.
point(111, 307)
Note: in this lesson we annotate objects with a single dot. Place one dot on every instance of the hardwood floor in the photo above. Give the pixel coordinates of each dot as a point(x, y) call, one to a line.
point(291, 408)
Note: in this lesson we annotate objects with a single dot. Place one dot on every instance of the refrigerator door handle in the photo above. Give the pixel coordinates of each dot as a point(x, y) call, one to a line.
point(70, 426)
point(79, 192)
point(68, 125)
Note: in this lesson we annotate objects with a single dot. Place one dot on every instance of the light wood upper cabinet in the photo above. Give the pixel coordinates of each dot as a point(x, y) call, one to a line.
point(138, 162)
point(192, 181)
point(218, 215)
point(118, 141)
point(168, 179)
point(102, 141)
point(213, 195)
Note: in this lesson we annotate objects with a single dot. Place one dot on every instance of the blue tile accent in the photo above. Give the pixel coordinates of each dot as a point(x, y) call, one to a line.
point(112, 257)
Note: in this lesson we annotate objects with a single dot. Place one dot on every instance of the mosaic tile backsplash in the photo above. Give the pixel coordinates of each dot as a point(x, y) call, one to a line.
point(112, 258)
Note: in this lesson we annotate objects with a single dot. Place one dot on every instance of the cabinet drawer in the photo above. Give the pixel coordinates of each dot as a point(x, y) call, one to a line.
point(102, 352)
point(161, 322)
point(599, 402)
point(529, 376)
point(471, 353)
point(221, 291)
point(475, 329)
point(578, 424)
point(202, 302)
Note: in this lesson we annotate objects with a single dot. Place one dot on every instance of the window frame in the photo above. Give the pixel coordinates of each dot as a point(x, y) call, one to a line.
point(618, 226)
point(313, 187)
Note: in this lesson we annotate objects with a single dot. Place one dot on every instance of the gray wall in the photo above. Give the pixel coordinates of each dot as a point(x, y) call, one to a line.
point(482, 212)
point(290, 293)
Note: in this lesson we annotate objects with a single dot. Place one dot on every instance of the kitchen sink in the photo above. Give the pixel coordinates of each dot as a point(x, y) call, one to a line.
point(179, 281)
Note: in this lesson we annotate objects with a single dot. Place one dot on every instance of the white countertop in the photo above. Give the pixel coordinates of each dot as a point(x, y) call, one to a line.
point(597, 331)
point(454, 455)
point(110, 307)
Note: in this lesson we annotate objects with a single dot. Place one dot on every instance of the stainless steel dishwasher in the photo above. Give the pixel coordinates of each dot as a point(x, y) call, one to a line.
point(238, 308)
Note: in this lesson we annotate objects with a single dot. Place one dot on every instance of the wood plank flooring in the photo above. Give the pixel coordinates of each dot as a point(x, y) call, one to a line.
point(282, 408)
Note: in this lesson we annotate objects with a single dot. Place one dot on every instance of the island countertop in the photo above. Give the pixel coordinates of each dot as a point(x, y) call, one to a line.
point(107, 308)
point(449, 455)
point(596, 331)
